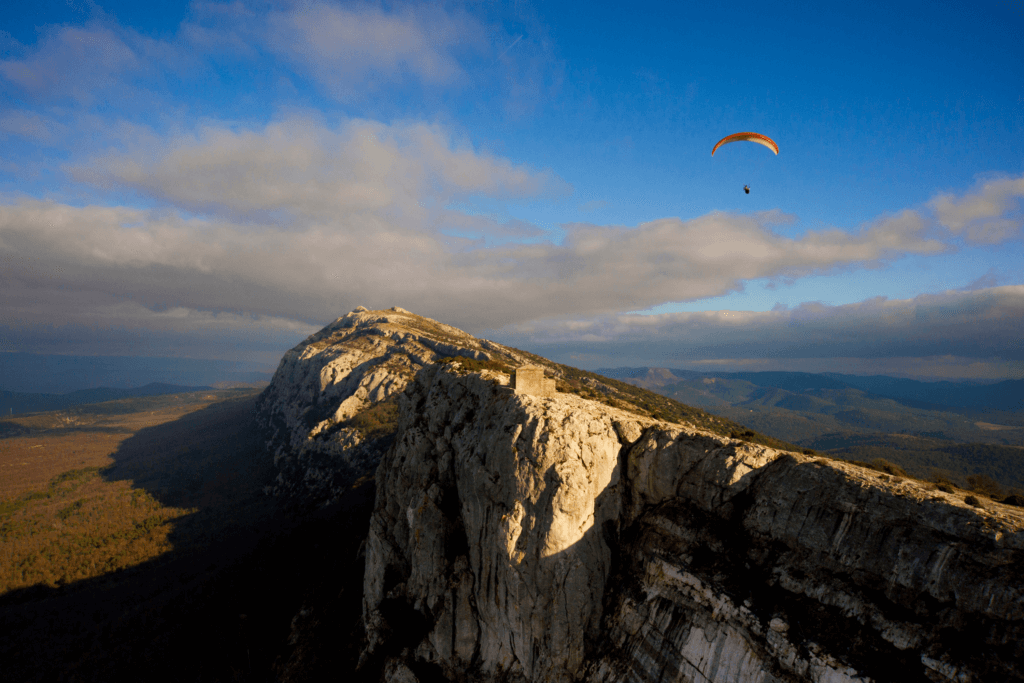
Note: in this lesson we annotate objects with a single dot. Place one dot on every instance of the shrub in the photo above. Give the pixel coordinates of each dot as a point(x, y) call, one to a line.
point(980, 483)
point(973, 500)
point(376, 421)
point(943, 480)
point(468, 365)
point(883, 465)
point(1014, 499)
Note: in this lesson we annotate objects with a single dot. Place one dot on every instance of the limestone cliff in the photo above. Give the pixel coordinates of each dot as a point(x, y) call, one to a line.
point(526, 538)
point(310, 413)
point(330, 411)
point(557, 539)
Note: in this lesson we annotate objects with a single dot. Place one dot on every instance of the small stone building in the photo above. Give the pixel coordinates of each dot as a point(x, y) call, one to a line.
point(530, 379)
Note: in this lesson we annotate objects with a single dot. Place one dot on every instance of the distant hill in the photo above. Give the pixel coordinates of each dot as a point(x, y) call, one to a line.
point(16, 402)
point(57, 374)
point(962, 428)
point(1007, 395)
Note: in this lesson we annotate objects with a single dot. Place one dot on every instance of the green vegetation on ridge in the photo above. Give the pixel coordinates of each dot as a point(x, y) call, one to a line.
point(623, 395)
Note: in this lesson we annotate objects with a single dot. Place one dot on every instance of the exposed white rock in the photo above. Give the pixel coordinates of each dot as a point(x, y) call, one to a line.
point(361, 359)
point(490, 515)
point(500, 518)
point(529, 538)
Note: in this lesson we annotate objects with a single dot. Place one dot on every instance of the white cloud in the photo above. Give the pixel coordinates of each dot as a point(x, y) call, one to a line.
point(306, 222)
point(300, 221)
point(349, 50)
point(981, 217)
point(301, 167)
point(71, 61)
point(321, 266)
point(344, 47)
point(457, 223)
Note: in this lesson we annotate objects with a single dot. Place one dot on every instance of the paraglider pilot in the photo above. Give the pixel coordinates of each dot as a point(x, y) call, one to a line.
point(746, 188)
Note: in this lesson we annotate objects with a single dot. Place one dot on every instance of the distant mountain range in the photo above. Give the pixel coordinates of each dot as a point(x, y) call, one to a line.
point(57, 374)
point(957, 427)
point(1007, 395)
point(16, 402)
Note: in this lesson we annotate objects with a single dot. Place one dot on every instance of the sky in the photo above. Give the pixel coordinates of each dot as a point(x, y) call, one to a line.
point(218, 180)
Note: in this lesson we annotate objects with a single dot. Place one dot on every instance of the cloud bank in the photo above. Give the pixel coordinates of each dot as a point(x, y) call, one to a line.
point(984, 323)
point(952, 335)
point(299, 221)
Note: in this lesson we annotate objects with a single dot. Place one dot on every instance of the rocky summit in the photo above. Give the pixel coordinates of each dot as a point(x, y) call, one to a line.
point(600, 534)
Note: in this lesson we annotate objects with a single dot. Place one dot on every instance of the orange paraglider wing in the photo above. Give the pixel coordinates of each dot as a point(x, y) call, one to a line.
point(747, 137)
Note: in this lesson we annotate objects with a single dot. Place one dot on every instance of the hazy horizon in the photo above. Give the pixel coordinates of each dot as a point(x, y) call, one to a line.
point(63, 373)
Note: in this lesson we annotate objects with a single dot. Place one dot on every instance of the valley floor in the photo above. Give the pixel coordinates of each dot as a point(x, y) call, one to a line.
point(138, 545)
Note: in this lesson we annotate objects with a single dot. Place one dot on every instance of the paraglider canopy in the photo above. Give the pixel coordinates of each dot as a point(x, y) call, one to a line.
point(747, 137)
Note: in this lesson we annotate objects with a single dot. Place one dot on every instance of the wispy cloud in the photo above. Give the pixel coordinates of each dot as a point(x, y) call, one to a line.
point(74, 62)
point(344, 48)
point(29, 125)
point(987, 216)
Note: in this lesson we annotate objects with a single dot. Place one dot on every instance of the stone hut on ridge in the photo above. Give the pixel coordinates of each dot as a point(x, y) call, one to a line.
point(530, 379)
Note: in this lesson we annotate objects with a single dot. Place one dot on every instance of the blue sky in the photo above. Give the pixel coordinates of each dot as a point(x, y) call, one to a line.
point(218, 180)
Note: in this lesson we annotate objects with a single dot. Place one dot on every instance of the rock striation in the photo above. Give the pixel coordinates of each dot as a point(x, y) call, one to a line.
point(518, 537)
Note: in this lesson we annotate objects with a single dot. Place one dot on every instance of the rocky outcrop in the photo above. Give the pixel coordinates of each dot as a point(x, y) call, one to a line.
point(556, 539)
point(808, 569)
point(309, 415)
point(518, 537)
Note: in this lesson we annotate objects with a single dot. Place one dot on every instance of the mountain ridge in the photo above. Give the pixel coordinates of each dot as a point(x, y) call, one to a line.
point(581, 536)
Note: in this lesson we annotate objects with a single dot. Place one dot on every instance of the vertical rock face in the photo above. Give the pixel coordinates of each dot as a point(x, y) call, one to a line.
point(489, 528)
point(810, 570)
point(554, 539)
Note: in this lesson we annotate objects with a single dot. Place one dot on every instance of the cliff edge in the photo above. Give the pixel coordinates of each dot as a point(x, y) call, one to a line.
point(531, 538)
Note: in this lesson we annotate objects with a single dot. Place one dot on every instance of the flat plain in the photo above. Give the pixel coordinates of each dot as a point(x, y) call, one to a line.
point(136, 543)
point(94, 490)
